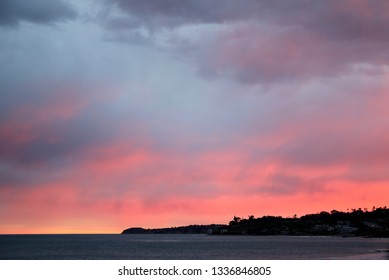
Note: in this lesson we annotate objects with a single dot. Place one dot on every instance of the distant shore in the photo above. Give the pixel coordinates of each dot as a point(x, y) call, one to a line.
point(358, 222)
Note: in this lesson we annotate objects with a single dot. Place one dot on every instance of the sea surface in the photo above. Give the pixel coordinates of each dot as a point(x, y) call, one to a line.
point(186, 246)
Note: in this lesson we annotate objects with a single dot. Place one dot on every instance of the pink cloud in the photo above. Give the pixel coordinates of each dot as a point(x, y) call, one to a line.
point(291, 119)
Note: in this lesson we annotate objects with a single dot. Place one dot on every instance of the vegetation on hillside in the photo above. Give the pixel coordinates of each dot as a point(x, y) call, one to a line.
point(357, 222)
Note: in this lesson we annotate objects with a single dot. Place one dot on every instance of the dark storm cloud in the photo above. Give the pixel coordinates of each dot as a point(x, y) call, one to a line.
point(342, 19)
point(264, 41)
point(38, 11)
point(175, 12)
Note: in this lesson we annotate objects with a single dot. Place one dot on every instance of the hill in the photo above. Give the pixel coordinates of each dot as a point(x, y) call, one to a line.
point(357, 222)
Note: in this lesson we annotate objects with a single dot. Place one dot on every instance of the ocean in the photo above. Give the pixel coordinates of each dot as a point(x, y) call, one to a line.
point(188, 247)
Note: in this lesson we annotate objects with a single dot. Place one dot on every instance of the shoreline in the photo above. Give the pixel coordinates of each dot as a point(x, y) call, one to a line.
point(366, 256)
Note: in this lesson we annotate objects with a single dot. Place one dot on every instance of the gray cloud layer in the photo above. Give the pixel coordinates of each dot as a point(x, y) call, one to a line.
point(263, 41)
point(38, 11)
point(343, 19)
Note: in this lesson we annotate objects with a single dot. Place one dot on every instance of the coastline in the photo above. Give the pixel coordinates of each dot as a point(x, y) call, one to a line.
point(366, 256)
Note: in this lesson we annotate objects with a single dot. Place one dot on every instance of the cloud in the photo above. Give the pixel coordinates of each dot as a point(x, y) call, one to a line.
point(157, 14)
point(260, 41)
point(172, 112)
point(363, 146)
point(280, 184)
point(12, 12)
point(42, 128)
point(346, 19)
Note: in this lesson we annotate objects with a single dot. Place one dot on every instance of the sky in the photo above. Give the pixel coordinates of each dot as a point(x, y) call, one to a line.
point(118, 114)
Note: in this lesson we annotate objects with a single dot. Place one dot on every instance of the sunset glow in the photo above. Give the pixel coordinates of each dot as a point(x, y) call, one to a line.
point(117, 114)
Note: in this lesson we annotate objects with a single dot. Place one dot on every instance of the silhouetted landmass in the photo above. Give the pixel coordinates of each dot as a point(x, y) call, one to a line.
point(358, 222)
point(192, 229)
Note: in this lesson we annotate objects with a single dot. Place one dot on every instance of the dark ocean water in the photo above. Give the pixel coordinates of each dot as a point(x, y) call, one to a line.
point(180, 246)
